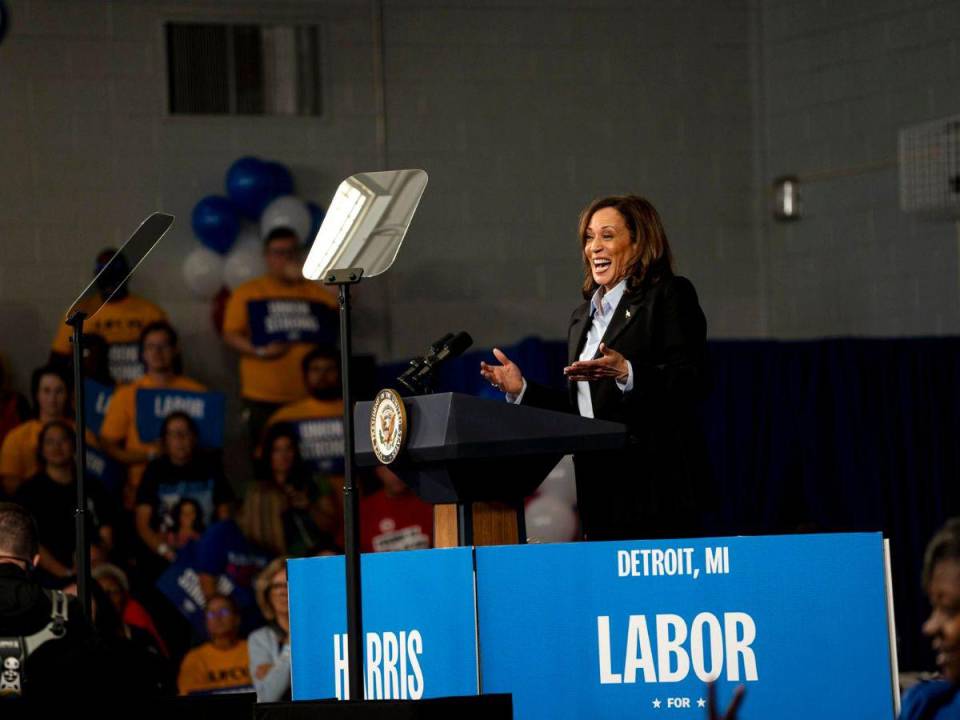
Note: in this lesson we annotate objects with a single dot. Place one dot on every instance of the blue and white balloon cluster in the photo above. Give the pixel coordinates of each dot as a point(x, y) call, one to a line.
point(260, 197)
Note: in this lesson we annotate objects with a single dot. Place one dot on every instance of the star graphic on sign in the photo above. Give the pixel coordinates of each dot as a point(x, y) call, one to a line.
point(701, 703)
point(657, 703)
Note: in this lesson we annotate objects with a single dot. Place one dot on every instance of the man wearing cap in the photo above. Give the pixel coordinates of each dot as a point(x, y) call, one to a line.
point(120, 322)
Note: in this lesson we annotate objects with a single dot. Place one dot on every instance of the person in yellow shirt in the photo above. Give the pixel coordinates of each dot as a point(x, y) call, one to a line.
point(272, 322)
point(316, 422)
point(50, 391)
point(221, 665)
point(318, 418)
point(119, 322)
point(119, 435)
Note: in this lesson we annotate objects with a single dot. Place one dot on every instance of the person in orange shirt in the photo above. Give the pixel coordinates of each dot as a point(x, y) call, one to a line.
point(50, 390)
point(119, 322)
point(221, 665)
point(118, 433)
point(272, 322)
point(318, 418)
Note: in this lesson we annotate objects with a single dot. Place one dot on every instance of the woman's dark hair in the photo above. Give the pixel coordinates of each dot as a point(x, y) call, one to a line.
point(37, 376)
point(653, 261)
point(198, 514)
point(274, 433)
point(945, 545)
point(60, 424)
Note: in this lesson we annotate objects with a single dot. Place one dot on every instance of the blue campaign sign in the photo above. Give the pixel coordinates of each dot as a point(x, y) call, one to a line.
point(291, 320)
point(637, 628)
point(207, 409)
point(95, 399)
point(419, 618)
point(321, 443)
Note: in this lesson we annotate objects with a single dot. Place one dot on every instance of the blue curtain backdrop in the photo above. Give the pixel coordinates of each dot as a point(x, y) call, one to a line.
point(824, 435)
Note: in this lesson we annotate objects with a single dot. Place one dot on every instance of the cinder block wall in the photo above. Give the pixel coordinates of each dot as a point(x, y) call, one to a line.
point(837, 84)
point(520, 112)
point(524, 112)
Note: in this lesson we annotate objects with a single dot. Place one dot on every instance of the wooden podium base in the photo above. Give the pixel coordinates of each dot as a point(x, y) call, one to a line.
point(494, 523)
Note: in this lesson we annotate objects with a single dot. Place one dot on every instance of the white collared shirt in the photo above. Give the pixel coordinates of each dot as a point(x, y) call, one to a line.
point(602, 306)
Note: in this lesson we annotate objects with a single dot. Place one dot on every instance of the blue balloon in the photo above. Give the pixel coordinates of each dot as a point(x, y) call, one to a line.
point(281, 181)
point(215, 222)
point(317, 214)
point(250, 185)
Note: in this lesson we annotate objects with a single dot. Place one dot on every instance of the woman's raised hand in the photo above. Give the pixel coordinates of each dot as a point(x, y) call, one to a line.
point(506, 376)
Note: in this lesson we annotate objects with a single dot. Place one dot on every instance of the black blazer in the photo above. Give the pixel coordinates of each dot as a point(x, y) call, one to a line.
point(657, 487)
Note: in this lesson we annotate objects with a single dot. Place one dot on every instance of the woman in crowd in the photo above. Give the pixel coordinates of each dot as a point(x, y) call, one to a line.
point(269, 646)
point(183, 471)
point(51, 497)
point(50, 391)
point(940, 699)
point(306, 517)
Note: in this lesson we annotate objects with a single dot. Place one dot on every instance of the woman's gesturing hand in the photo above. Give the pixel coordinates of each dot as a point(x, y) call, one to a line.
point(506, 376)
point(610, 364)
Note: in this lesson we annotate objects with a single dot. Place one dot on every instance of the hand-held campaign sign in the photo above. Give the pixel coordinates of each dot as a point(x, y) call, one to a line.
point(207, 409)
point(291, 320)
point(419, 621)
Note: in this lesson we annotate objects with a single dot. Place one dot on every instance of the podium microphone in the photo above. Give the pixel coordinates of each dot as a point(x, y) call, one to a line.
point(417, 378)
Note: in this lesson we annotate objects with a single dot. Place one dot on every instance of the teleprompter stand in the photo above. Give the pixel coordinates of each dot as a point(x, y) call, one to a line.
point(343, 279)
point(115, 272)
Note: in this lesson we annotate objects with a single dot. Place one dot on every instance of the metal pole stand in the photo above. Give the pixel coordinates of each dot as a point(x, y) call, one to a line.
point(351, 502)
point(80, 458)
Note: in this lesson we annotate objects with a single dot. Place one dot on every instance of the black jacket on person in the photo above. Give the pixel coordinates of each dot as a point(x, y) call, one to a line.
point(71, 664)
point(659, 485)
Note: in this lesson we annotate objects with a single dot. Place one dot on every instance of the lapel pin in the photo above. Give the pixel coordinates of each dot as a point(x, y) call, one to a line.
point(628, 314)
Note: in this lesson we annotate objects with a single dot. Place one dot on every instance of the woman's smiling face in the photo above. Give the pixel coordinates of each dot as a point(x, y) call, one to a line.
point(608, 247)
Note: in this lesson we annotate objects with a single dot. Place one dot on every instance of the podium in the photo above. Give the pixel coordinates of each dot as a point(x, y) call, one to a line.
point(476, 459)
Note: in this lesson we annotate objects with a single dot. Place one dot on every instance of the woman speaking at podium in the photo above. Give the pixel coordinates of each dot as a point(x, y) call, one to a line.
point(637, 355)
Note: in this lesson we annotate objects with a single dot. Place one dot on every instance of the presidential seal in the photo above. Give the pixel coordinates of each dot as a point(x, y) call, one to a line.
point(388, 425)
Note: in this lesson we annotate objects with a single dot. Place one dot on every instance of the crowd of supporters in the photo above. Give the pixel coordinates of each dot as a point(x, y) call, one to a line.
point(190, 564)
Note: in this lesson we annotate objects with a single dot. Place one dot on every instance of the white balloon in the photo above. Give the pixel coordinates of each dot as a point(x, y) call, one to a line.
point(287, 211)
point(244, 262)
point(549, 519)
point(561, 482)
point(203, 272)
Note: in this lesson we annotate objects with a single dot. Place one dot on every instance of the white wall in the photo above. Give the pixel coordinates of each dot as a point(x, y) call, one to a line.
point(520, 113)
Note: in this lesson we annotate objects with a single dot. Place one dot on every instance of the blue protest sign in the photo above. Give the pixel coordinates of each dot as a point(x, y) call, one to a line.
point(419, 619)
point(110, 474)
point(95, 399)
point(637, 629)
point(123, 362)
point(321, 443)
point(180, 584)
point(207, 409)
point(291, 320)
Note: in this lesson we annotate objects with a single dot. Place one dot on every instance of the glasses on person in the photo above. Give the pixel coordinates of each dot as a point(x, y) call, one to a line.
point(221, 613)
